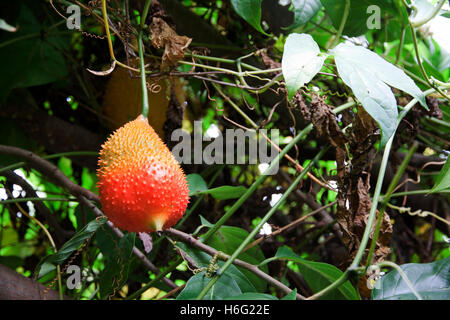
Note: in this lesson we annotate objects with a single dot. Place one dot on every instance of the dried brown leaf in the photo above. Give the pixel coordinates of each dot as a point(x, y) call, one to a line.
point(163, 36)
point(299, 101)
point(352, 216)
point(324, 121)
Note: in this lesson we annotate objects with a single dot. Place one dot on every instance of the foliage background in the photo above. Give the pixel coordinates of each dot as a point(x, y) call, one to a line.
point(51, 104)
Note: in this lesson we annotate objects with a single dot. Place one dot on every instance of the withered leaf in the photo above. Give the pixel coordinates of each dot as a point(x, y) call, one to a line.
point(353, 211)
point(324, 121)
point(174, 45)
point(300, 102)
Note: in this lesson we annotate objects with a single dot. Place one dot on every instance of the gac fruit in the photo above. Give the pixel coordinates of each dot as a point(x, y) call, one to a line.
point(142, 188)
point(122, 100)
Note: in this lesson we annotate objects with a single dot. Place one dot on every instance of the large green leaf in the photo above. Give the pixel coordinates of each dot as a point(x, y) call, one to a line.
point(368, 75)
point(304, 10)
point(443, 179)
point(431, 281)
point(227, 239)
point(319, 275)
point(203, 259)
point(250, 11)
point(34, 59)
point(301, 61)
point(225, 287)
point(49, 263)
point(356, 23)
point(117, 266)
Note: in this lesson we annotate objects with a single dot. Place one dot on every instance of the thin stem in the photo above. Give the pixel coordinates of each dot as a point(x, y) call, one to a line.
point(400, 46)
point(258, 227)
point(108, 34)
point(193, 242)
point(145, 12)
point(341, 280)
point(49, 236)
point(199, 200)
point(158, 278)
point(258, 181)
point(373, 209)
point(414, 192)
point(389, 191)
point(145, 104)
point(262, 177)
point(342, 25)
point(418, 212)
point(288, 226)
point(402, 274)
point(17, 200)
point(432, 14)
point(55, 155)
point(438, 121)
point(235, 106)
point(421, 67)
point(416, 78)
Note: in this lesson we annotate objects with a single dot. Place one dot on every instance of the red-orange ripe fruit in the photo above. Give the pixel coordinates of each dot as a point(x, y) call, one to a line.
point(142, 187)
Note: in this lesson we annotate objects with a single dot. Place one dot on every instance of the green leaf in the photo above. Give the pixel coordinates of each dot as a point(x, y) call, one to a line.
point(196, 183)
point(443, 180)
point(224, 192)
point(227, 239)
point(250, 11)
point(431, 281)
point(252, 296)
point(32, 60)
point(319, 275)
point(356, 23)
point(70, 246)
point(304, 10)
point(368, 75)
point(225, 287)
point(117, 266)
point(301, 61)
point(203, 259)
point(291, 296)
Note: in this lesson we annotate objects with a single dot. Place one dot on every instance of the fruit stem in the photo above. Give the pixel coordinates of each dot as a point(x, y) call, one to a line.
point(145, 105)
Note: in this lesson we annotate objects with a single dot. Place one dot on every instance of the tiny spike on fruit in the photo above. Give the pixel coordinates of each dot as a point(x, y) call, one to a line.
point(142, 187)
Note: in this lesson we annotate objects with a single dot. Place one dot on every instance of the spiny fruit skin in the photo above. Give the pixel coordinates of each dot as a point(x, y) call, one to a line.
point(142, 187)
